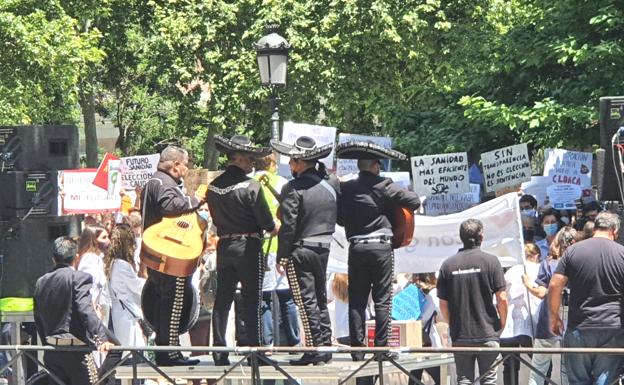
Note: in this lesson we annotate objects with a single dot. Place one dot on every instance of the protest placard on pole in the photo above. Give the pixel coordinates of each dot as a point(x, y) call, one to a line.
point(440, 174)
point(506, 167)
point(563, 196)
point(452, 203)
point(137, 170)
point(78, 195)
point(349, 166)
point(568, 167)
point(321, 134)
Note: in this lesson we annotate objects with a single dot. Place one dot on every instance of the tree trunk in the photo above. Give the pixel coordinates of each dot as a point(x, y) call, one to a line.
point(87, 104)
point(211, 155)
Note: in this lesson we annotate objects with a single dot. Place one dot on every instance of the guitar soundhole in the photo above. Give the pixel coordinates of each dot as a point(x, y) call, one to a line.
point(183, 225)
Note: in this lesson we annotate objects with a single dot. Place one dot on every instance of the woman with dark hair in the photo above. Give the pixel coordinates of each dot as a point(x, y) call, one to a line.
point(92, 247)
point(125, 287)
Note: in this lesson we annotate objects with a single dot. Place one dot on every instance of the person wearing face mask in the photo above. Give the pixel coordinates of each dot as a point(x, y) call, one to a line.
point(528, 213)
point(240, 213)
point(308, 213)
point(550, 223)
point(92, 247)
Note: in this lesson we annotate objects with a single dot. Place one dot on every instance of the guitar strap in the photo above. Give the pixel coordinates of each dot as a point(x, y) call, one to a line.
point(324, 184)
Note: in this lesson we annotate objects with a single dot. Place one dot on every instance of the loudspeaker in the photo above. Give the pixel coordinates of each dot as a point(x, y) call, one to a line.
point(22, 191)
point(28, 252)
point(611, 119)
point(38, 148)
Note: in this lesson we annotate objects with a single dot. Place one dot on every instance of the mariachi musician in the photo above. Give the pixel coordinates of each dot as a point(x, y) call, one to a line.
point(365, 212)
point(241, 214)
point(168, 300)
point(308, 213)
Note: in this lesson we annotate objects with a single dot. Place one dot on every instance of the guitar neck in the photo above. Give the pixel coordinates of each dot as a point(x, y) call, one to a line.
point(265, 183)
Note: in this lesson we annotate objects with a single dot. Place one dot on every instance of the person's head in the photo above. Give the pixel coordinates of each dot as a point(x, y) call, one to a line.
point(528, 202)
point(371, 165)
point(607, 225)
point(64, 251)
point(590, 210)
point(588, 229)
point(242, 160)
point(122, 247)
point(532, 252)
point(174, 161)
point(298, 166)
point(134, 222)
point(94, 239)
point(550, 222)
point(425, 281)
point(471, 233)
point(340, 286)
point(268, 163)
point(565, 238)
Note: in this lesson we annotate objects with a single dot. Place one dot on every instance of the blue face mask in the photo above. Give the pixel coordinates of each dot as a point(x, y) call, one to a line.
point(551, 229)
point(529, 212)
point(205, 215)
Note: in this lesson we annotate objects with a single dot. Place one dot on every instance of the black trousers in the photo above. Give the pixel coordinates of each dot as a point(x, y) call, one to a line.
point(371, 267)
point(172, 298)
point(238, 260)
point(512, 365)
point(306, 272)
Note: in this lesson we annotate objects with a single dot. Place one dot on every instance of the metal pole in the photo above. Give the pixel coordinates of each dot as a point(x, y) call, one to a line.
point(274, 102)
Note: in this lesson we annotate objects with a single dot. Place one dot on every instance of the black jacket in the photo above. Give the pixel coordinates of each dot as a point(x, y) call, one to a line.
point(367, 203)
point(63, 307)
point(163, 197)
point(237, 204)
point(308, 210)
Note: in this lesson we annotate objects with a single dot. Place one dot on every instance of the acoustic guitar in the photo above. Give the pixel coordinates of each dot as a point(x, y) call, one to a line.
point(173, 245)
point(402, 221)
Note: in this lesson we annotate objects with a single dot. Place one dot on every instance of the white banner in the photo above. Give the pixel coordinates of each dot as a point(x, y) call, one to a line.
point(137, 170)
point(440, 174)
point(349, 166)
point(506, 167)
point(569, 167)
point(321, 134)
point(452, 203)
point(437, 238)
point(78, 195)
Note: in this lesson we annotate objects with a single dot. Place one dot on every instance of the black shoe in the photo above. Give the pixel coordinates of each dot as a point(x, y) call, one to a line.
point(221, 359)
point(182, 361)
point(359, 356)
point(388, 356)
point(309, 358)
point(326, 357)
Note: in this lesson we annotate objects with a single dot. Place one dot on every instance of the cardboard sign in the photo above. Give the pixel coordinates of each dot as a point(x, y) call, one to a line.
point(408, 304)
point(349, 166)
point(452, 203)
point(441, 174)
point(506, 167)
point(569, 167)
point(321, 134)
point(78, 195)
point(137, 170)
point(563, 196)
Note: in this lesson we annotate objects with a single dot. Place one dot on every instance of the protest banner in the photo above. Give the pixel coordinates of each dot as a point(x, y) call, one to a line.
point(348, 166)
point(537, 187)
point(569, 167)
point(408, 304)
point(321, 134)
point(78, 195)
point(563, 196)
point(506, 167)
point(137, 170)
point(402, 178)
point(452, 203)
point(437, 238)
point(440, 174)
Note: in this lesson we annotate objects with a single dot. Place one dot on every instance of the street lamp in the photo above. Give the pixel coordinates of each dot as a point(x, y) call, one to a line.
point(272, 55)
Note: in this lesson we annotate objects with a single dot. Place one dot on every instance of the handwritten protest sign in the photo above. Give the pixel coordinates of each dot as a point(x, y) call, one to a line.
point(137, 170)
point(78, 195)
point(440, 174)
point(537, 187)
point(506, 167)
point(563, 196)
point(568, 167)
point(348, 166)
point(321, 134)
point(408, 304)
point(452, 203)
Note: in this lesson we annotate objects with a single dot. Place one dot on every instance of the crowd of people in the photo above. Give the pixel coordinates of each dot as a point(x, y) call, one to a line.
point(267, 240)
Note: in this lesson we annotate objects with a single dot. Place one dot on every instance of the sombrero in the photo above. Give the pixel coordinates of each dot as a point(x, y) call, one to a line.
point(304, 148)
point(366, 150)
point(240, 143)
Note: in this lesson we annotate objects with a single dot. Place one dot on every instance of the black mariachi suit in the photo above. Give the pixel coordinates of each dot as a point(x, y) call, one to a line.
point(240, 213)
point(162, 196)
point(63, 310)
point(364, 210)
point(309, 213)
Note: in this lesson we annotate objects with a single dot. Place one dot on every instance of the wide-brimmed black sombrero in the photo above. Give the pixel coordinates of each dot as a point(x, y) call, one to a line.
point(240, 143)
point(304, 148)
point(366, 150)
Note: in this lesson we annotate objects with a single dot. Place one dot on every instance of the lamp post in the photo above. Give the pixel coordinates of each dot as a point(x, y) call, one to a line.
point(272, 55)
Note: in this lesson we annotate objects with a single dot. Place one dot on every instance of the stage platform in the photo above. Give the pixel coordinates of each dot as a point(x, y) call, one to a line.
point(338, 369)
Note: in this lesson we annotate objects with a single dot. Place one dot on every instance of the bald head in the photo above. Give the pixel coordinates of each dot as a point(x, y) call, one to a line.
point(370, 165)
point(170, 155)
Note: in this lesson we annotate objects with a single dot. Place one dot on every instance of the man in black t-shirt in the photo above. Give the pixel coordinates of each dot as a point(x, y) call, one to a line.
point(466, 285)
point(594, 272)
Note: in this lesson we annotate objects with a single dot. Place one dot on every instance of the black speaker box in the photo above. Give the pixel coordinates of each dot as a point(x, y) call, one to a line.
point(611, 118)
point(28, 252)
point(38, 148)
point(22, 191)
